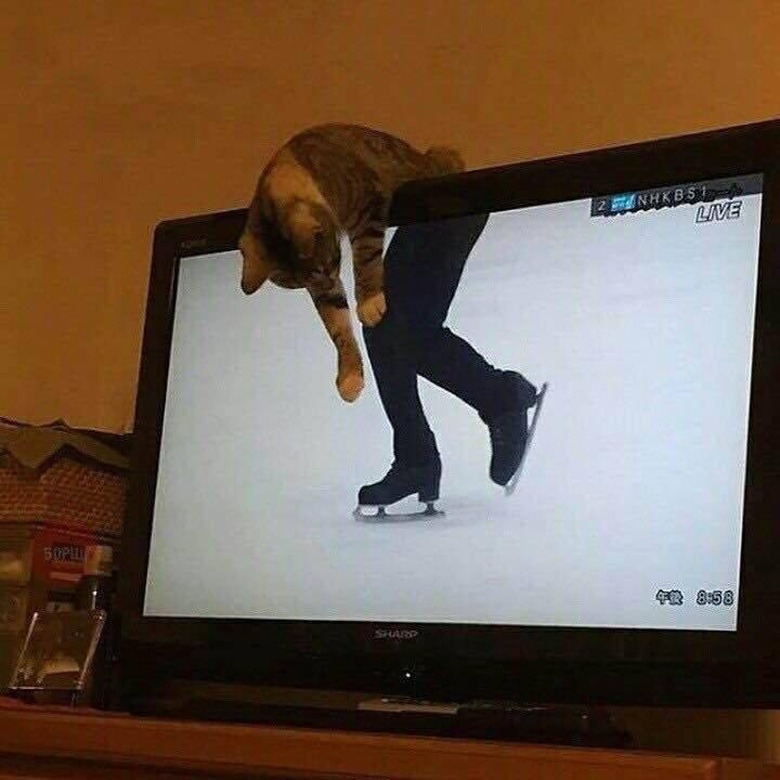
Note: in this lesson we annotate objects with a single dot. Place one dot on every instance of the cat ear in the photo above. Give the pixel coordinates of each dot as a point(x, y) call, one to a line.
point(257, 267)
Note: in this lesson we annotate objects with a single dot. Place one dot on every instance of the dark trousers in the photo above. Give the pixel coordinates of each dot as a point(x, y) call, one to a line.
point(423, 266)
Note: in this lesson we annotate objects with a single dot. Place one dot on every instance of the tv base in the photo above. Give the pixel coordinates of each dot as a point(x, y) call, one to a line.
point(508, 720)
point(488, 720)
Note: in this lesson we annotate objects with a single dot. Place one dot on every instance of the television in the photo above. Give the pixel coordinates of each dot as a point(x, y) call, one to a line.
point(635, 561)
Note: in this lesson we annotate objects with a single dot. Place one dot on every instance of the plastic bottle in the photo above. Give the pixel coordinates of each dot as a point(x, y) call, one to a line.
point(95, 590)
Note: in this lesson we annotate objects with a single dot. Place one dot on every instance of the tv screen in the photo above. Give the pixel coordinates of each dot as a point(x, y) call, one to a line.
point(630, 290)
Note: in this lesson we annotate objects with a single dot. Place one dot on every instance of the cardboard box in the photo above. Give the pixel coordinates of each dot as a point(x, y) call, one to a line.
point(61, 490)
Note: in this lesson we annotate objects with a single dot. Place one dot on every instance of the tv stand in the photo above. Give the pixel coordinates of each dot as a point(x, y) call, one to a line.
point(56, 743)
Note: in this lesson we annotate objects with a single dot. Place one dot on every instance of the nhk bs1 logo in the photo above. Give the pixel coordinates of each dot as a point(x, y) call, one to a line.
point(715, 200)
point(647, 200)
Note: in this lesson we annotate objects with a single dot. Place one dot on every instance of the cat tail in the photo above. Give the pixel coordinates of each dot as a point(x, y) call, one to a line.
point(443, 160)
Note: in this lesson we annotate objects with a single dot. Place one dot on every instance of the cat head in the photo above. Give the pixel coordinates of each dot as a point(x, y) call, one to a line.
point(300, 248)
point(261, 261)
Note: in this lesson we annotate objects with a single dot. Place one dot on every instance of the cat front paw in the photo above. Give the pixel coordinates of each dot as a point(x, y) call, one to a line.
point(371, 310)
point(350, 386)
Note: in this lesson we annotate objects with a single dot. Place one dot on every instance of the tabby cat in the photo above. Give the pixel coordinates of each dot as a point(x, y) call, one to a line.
point(326, 181)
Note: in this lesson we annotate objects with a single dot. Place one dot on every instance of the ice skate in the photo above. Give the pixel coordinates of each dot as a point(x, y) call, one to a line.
point(401, 482)
point(510, 439)
point(509, 488)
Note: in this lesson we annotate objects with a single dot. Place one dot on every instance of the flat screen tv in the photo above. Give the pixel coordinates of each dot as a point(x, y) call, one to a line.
point(636, 559)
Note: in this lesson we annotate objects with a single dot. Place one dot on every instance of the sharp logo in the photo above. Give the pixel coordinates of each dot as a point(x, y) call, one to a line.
point(194, 243)
point(396, 634)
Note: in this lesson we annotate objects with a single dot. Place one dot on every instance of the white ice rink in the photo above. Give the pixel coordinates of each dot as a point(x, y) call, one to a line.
point(642, 325)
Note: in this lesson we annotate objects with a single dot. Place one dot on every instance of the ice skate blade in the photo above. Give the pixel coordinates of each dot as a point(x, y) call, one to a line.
point(381, 515)
point(510, 486)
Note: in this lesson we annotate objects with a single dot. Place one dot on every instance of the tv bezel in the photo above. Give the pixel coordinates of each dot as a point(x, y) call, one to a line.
point(591, 664)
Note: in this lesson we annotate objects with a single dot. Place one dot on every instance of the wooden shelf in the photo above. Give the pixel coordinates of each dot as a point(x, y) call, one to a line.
point(60, 743)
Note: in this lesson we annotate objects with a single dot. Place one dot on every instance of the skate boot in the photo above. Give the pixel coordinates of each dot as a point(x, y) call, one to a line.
point(509, 431)
point(400, 482)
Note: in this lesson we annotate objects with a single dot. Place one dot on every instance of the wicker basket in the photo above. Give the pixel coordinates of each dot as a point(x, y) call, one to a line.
point(68, 492)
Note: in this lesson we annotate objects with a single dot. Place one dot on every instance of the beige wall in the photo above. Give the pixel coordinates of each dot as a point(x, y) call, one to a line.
point(119, 114)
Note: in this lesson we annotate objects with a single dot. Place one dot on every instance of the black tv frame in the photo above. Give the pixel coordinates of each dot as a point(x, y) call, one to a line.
point(461, 662)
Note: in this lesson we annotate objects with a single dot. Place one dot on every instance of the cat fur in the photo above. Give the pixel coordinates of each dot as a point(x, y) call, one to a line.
point(325, 182)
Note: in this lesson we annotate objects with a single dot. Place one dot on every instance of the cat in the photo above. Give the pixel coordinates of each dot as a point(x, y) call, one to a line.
point(327, 181)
